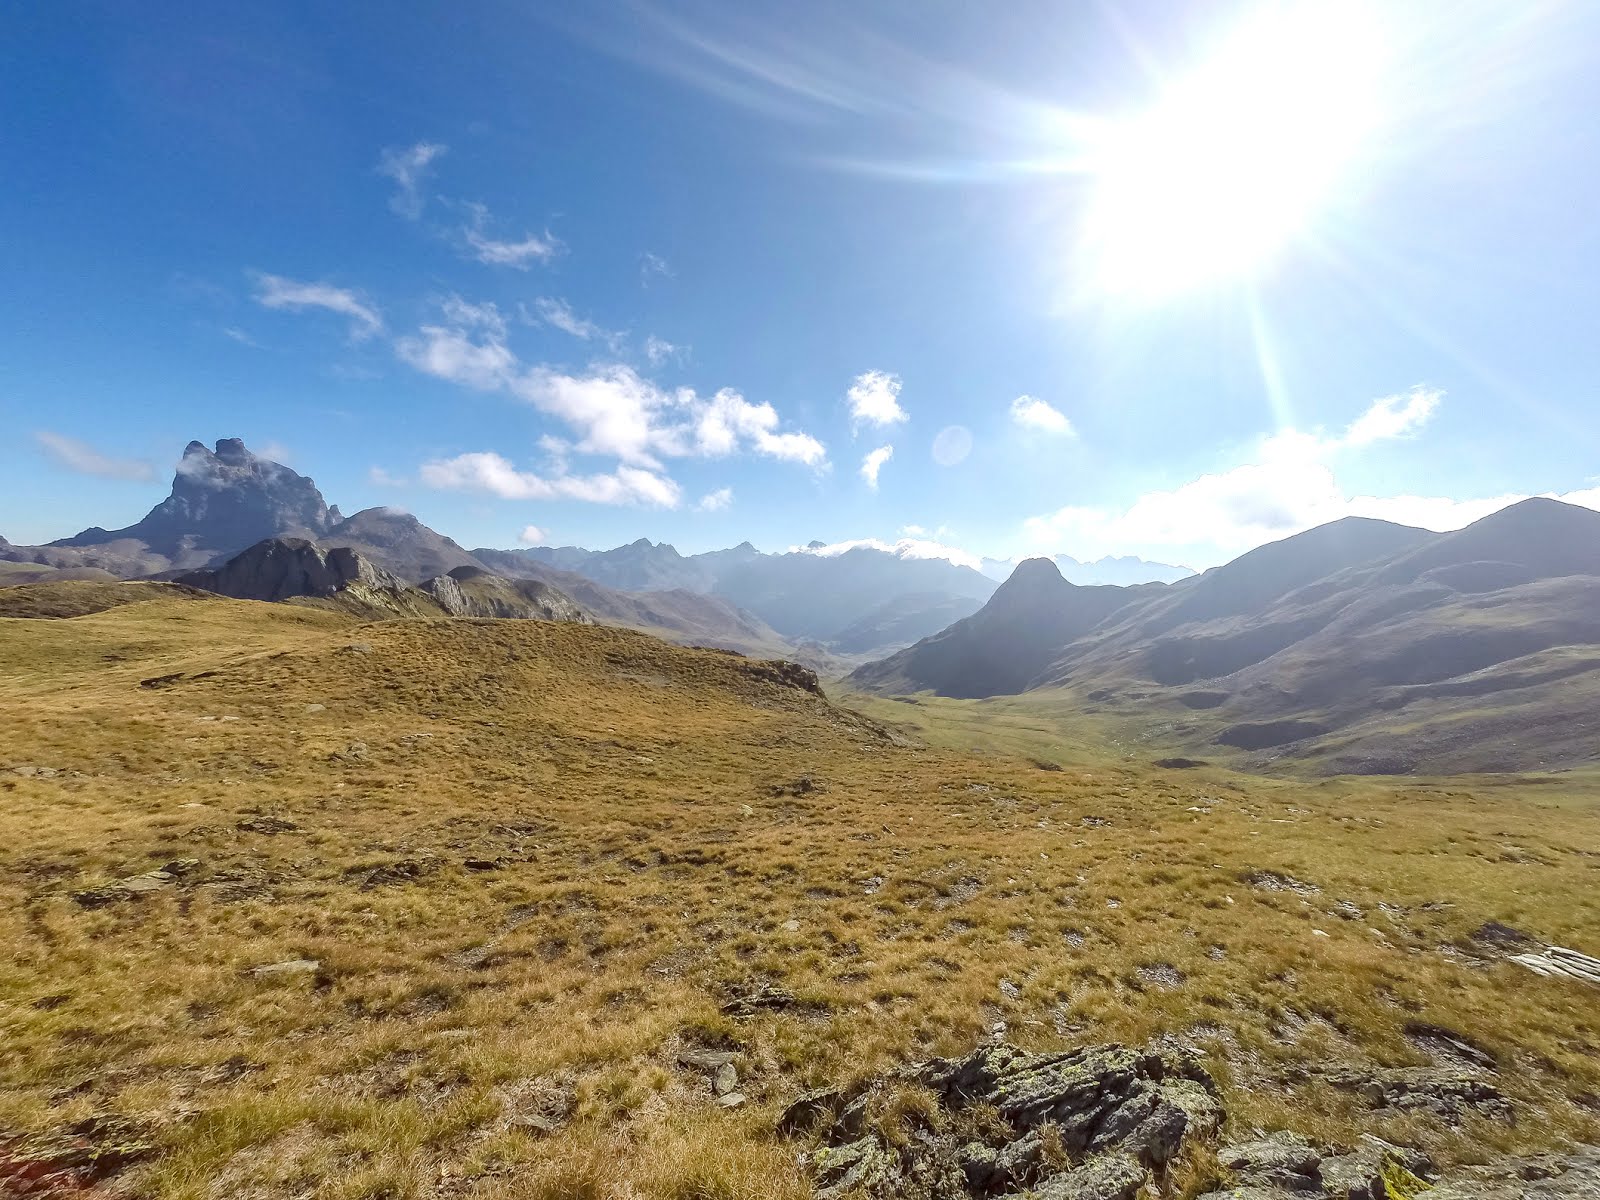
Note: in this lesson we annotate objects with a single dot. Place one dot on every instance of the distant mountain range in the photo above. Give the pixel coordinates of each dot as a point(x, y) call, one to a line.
point(828, 610)
point(1358, 646)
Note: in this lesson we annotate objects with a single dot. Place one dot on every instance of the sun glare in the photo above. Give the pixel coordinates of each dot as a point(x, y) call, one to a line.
point(1239, 157)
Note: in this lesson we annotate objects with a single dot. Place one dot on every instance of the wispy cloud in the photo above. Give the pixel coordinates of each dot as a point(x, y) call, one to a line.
point(873, 463)
point(715, 501)
point(409, 167)
point(874, 399)
point(558, 314)
point(1033, 413)
point(486, 471)
point(274, 291)
point(378, 477)
point(83, 458)
point(659, 350)
point(653, 267)
point(499, 253)
point(238, 335)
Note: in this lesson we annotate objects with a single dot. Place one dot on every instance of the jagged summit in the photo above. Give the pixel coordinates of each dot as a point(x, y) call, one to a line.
point(222, 501)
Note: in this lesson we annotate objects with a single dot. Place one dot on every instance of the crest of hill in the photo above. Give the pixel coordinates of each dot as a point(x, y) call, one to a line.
point(64, 599)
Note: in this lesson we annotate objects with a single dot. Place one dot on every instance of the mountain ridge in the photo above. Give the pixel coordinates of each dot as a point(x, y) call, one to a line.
point(1295, 651)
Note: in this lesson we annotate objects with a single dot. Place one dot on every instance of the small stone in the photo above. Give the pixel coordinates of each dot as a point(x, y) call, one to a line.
point(791, 926)
point(706, 1060)
point(153, 881)
point(482, 864)
point(731, 1100)
point(726, 1080)
point(316, 708)
point(292, 966)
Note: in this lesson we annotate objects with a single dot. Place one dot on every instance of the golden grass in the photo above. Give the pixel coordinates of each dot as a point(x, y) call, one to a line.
point(673, 829)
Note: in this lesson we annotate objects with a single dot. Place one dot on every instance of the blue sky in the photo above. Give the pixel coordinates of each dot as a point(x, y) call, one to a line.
point(1077, 278)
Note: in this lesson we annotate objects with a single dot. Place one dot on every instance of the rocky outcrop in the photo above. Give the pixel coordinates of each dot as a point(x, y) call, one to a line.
point(1094, 1123)
point(1109, 1122)
point(400, 543)
point(285, 568)
point(472, 592)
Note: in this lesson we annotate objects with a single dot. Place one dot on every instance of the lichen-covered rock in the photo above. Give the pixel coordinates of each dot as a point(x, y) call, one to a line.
point(1087, 1124)
point(1280, 1159)
point(1110, 1177)
point(1447, 1092)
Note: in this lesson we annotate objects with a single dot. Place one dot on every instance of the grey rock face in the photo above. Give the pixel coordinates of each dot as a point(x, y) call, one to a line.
point(282, 568)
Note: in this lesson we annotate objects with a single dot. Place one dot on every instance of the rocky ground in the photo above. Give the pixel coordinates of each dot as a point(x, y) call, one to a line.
point(1110, 1122)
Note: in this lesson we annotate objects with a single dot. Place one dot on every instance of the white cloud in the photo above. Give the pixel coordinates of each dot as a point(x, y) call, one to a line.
point(715, 501)
point(238, 335)
point(1393, 417)
point(532, 535)
point(486, 471)
point(904, 548)
point(408, 167)
point(378, 477)
point(1287, 485)
point(83, 458)
point(874, 399)
point(727, 420)
point(496, 253)
point(1033, 413)
point(873, 463)
point(658, 350)
point(611, 409)
point(274, 291)
point(915, 531)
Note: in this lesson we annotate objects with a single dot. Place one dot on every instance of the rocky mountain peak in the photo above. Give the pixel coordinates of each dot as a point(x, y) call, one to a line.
point(224, 500)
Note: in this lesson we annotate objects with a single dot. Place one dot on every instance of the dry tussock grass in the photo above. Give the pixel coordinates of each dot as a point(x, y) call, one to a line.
point(655, 832)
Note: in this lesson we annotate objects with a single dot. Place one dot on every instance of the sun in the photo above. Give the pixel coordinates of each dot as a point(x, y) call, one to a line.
point(1238, 158)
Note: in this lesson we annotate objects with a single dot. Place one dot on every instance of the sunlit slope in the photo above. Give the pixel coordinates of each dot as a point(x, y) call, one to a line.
point(510, 878)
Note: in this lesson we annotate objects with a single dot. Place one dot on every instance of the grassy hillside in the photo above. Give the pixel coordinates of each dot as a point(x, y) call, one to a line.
point(456, 908)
